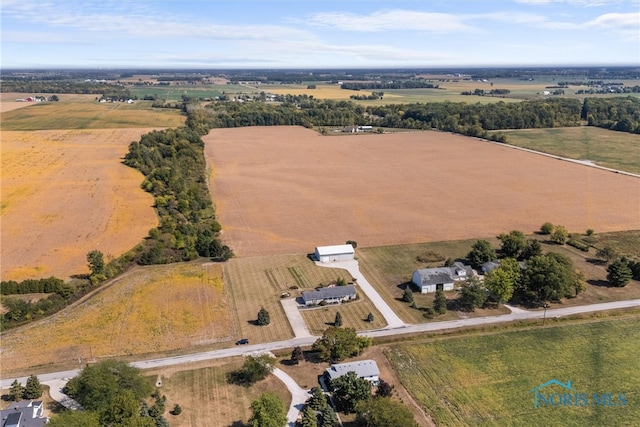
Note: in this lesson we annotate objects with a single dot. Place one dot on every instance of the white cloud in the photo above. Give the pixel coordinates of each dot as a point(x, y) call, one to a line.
point(398, 20)
point(616, 21)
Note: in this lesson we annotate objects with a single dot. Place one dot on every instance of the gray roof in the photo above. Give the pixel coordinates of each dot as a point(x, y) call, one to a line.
point(362, 368)
point(22, 414)
point(441, 275)
point(329, 293)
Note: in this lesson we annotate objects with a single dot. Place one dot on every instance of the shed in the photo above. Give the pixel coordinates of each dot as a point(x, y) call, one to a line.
point(335, 253)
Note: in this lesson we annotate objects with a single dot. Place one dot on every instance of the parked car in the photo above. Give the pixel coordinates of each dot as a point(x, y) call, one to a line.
point(242, 341)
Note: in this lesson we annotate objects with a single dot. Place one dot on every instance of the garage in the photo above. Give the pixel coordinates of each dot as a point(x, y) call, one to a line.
point(335, 253)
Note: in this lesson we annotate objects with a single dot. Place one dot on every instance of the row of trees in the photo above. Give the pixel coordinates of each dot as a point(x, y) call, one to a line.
point(174, 167)
point(32, 389)
point(401, 84)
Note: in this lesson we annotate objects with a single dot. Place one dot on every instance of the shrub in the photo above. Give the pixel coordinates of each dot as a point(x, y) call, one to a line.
point(546, 228)
point(578, 245)
point(589, 232)
point(177, 410)
point(431, 256)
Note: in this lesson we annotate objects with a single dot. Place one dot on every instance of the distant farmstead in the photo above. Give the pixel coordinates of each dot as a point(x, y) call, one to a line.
point(335, 253)
point(333, 295)
point(442, 278)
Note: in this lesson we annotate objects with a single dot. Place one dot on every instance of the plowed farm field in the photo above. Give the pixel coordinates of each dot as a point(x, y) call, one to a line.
point(288, 189)
point(65, 193)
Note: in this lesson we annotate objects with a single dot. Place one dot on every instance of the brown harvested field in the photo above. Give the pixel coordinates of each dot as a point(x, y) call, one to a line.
point(152, 309)
point(65, 193)
point(288, 189)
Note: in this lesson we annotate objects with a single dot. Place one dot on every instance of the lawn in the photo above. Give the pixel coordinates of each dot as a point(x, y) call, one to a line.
point(617, 150)
point(83, 113)
point(389, 268)
point(353, 316)
point(256, 282)
point(488, 379)
point(207, 399)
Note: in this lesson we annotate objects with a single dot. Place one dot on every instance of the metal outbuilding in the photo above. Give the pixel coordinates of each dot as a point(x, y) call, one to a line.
point(335, 253)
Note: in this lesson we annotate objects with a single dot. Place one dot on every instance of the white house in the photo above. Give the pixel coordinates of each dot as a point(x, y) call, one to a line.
point(26, 413)
point(440, 278)
point(335, 253)
point(367, 369)
point(332, 295)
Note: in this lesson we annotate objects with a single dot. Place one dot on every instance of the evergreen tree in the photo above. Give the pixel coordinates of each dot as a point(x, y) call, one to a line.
point(263, 317)
point(619, 273)
point(297, 355)
point(317, 401)
point(440, 302)
point(33, 389)
point(309, 418)
point(370, 317)
point(16, 392)
point(407, 295)
point(329, 418)
point(338, 320)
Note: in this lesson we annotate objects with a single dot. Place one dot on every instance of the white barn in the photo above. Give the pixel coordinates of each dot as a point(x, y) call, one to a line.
point(335, 253)
point(442, 278)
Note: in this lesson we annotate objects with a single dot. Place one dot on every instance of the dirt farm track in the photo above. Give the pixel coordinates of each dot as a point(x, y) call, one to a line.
point(288, 189)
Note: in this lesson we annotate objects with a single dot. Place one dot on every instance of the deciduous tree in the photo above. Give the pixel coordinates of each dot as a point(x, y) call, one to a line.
point(546, 228)
point(503, 281)
point(95, 260)
point(512, 244)
point(559, 235)
point(339, 343)
point(383, 412)
point(384, 389)
point(349, 390)
point(607, 254)
point(472, 295)
point(268, 411)
point(254, 369)
point(481, 252)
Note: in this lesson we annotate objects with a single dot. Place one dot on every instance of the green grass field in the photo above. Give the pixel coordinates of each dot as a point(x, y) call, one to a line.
point(207, 399)
point(487, 380)
point(388, 267)
point(256, 282)
point(88, 114)
point(618, 150)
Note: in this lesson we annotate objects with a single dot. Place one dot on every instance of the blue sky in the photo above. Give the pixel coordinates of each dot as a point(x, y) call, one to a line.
point(318, 34)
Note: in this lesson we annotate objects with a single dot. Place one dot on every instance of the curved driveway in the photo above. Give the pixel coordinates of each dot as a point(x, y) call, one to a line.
point(393, 321)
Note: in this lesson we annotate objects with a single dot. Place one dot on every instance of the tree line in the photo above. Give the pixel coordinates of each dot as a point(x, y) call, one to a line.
point(64, 86)
point(404, 84)
point(620, 114)
point(173, 163)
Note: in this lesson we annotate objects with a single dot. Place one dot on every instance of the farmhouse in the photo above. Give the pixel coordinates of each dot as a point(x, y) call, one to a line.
point(367, 369)
point(334, 253)
point(441, 278)
point(331, 295)
point(26, 413)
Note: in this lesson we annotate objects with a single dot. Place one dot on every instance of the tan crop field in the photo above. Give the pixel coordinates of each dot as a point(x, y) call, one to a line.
point(288, 189)
point(148, 310)
point(65, 193)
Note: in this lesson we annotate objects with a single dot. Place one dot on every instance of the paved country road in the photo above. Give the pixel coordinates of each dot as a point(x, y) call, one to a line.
point(306, 341)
